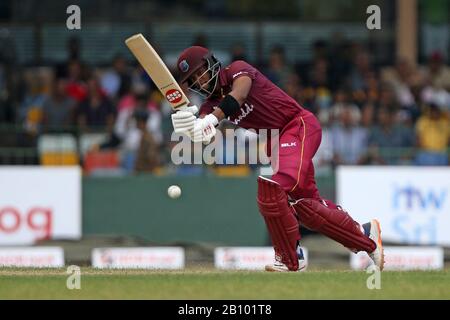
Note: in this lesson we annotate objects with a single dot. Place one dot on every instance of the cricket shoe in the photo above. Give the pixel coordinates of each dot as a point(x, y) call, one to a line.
point(372, 229)
point(279, 266)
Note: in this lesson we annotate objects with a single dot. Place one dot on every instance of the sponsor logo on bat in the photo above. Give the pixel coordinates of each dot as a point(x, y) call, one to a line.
point(174, 96)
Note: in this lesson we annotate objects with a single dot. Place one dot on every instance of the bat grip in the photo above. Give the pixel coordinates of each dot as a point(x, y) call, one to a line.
point(192, 109)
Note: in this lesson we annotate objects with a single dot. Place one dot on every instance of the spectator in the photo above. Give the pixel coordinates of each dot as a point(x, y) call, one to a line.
point(125, 123)
point(116, 81)
point(95, 111)
point(386, 139)
point(433, 137)
point(293, 87)
point(278, 71)
point(8, 74)
point(126, 128)
point(320, 84)
point(368, 115)
point(437, 89)
point(341, 102)
point(238, 52)
point(318, 76)
point(76, 88)
point(30, 111)
point(387, 98)
point(59, 108)
point(323, 160)
point(369, 93)
point(361, 69)
point(307, 96)
point(401, 79)
point(373, 88)
point(437, 73)
point(341, 61)
point(439, 97)
point(147, 158)
point(349, 140)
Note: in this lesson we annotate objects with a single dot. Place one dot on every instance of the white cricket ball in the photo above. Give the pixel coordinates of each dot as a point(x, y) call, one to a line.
point(174, 192)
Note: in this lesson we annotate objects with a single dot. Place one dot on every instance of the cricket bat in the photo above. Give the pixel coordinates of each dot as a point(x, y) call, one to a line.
point(157, 70)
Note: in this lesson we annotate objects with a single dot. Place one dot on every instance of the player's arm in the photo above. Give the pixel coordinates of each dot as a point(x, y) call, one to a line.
point(204, 128)
point(232, 102)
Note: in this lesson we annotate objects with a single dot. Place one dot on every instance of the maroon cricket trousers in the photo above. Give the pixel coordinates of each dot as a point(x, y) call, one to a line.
point(292, 157)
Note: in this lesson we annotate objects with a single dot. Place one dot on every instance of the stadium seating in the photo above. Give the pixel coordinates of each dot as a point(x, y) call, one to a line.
point(58, 150)
point(232, 171)
point(105, 162)
point(88, 140)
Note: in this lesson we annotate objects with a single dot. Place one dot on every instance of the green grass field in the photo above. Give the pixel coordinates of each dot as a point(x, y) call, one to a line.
point(212, 284)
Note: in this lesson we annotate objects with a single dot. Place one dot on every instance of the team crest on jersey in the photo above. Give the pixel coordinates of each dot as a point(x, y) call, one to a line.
point(184, 66)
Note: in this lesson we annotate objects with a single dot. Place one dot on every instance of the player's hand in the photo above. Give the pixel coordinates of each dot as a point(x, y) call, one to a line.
point(204, 129)
point(183, 121)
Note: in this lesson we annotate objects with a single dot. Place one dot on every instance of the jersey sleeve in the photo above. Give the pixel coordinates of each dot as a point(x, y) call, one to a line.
point(238, 69)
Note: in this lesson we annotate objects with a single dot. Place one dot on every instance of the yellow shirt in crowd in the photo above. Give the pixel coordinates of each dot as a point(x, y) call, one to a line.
point(433, 134)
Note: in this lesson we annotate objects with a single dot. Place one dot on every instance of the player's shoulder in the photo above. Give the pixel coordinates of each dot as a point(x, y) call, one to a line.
point(238, 64)
point(239, 68)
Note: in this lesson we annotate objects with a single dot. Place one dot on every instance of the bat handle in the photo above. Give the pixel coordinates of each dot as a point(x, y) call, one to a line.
point(193, 109)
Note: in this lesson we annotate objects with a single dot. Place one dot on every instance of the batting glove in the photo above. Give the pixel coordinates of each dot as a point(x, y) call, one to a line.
point(184, 119)
point(204, 129)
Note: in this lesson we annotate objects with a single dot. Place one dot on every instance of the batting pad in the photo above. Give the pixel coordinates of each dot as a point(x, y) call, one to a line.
point(334, 223)
point(280, 219)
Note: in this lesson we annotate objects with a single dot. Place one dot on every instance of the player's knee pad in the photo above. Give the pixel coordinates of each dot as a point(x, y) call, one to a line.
point(280, 219)
point(272, 199)
point(333, 222)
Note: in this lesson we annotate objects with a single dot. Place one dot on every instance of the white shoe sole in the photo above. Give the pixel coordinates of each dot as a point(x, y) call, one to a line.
point(375, 229)
point(273, 268)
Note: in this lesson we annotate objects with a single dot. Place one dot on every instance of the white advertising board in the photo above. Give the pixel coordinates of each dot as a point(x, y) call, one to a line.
point(245, 258)
point(139, 258)
point(36, 257)
point(39, 203)
point(403, 258)
point(411, 203)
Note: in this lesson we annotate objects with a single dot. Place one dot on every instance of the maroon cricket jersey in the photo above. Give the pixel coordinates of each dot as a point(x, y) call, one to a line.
point(266, 106)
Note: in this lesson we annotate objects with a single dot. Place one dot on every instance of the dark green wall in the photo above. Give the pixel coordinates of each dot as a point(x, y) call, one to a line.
point(211, 209)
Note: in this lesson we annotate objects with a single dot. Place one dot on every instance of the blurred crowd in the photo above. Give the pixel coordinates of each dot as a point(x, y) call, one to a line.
point(395, 114)
point(371, 114)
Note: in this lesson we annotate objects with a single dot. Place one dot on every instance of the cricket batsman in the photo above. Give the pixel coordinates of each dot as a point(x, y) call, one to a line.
point(242, 94)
